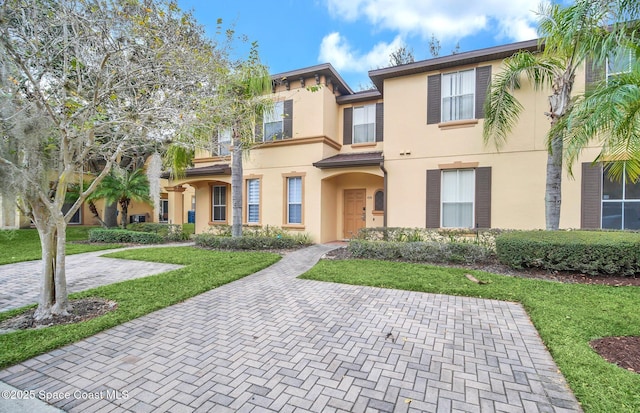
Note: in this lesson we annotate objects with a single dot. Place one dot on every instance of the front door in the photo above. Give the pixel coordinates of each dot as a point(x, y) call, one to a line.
point(354, 211)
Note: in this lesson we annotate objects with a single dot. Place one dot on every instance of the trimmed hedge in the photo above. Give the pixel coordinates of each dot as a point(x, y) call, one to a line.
point(590, 252)
point(246, 242)
point(434, 252)
point(121, 235)
point(170, 232)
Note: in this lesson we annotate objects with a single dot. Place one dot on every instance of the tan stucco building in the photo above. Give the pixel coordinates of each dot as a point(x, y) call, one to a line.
point(408, 154)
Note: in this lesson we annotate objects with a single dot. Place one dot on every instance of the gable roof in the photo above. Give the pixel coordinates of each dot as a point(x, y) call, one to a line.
point(459, 59)
point(324, 69)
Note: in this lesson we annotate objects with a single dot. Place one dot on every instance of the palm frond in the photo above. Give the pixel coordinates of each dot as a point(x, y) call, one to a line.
point(502, 109)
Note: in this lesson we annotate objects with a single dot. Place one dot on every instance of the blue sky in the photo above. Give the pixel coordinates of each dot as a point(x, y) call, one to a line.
point(356, 36)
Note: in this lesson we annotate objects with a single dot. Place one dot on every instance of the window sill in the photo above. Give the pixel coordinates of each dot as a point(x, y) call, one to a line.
point(218, 223)
point(364, 145)
point(377, 212)
point(294, 226)
point(456, 124)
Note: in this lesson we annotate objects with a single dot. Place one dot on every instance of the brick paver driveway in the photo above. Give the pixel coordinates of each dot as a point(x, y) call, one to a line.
point(270, 342)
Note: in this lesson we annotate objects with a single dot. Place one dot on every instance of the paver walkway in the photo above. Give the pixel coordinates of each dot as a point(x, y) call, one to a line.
point(20, 282)
point(270, 342)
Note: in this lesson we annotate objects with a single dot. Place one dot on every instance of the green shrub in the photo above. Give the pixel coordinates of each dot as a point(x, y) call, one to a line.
point(121, 235)
point(590, 252)
point(244, 243)
point(485, 237)
point(170, 232)
point(434, 252)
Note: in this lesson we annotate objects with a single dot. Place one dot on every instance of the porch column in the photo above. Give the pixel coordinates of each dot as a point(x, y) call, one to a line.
point(176, 204)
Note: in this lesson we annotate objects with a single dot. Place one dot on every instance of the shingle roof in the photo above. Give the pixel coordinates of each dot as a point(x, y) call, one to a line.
point(350, 160)
point(222, 169)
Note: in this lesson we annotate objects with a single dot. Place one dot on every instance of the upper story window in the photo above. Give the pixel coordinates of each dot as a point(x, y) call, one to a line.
point(223, 143)
point(273, 122)
point(620, 62)
point(458, 95)
point(364, 124)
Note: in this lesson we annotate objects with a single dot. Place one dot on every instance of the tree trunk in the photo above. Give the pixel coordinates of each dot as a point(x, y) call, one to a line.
point(124, 205)
point(111, 214)
point(236, 186)
point(96, 215)
point(53, 298)
point(553, 193)
point(559, 103)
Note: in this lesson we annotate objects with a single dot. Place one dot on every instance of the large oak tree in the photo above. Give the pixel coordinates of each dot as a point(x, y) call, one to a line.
point(89, 80)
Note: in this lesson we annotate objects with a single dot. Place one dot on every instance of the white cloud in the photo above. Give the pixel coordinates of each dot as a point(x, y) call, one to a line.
point(337, 50)
point(448, 19)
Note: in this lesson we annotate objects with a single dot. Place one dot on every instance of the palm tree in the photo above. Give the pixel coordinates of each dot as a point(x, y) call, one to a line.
point(569, 35)
point(610, 116)
point(123, 187)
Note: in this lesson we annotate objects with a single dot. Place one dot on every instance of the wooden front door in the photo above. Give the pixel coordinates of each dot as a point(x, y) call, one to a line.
point(354, 211)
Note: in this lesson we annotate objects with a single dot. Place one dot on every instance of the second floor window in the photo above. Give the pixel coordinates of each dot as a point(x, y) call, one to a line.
point(273, 122)
point(458, 95)
point(364, 124)
point(620, 62)
point(223, 143)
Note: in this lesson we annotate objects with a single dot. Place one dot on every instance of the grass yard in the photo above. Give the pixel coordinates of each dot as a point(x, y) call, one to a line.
point(567, 316)
point(204, 271)
point(24, 244)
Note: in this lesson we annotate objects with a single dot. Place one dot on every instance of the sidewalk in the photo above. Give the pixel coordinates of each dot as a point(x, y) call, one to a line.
point(271, 342)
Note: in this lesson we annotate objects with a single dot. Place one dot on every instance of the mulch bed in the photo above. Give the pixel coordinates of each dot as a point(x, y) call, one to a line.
point(622, 351)
point(83, 309)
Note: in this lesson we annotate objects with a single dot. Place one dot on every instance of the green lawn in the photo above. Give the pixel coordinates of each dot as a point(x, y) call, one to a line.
point(24, 244)
point(567, 316)
point(204, 271)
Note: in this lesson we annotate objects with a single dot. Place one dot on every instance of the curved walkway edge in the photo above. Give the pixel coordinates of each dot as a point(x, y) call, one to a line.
point(274, 343)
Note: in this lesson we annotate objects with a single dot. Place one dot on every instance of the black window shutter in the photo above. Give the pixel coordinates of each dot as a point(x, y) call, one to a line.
point(433, 198)
point(434, 100)
point(591, 196)
point(287, 127)
point(379, 121)
point(483, 197)
point(483, 78)
point(348, 126)
point(594, 73)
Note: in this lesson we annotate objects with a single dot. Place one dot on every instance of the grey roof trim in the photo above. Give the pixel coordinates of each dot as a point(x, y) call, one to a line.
point(323, 69)
point(359, 97)
point(221, 169)
point(350, 160)
point(475, 56)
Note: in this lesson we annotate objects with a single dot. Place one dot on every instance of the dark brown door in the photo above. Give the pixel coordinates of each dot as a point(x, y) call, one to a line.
point(354, 211)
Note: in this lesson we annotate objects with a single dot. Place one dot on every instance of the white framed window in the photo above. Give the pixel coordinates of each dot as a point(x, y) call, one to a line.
point(273, 123)
point(223, 143)
point(620, 203)
point(219, 203)
point(294, 200)
point(364, 124)
point(620, 62)
point(457, 197)
point(458, 95)
point(253, 201)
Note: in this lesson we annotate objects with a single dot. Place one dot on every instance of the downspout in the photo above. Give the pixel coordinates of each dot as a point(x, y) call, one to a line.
point(384, 198)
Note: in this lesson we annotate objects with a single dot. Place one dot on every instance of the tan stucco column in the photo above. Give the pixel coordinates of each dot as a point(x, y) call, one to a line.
point(176, 204)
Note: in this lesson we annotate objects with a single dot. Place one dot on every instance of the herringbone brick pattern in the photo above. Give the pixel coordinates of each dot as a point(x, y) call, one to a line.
point(270, 342)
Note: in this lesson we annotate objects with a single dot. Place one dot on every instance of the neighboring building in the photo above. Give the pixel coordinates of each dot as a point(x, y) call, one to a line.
point(408, 154)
